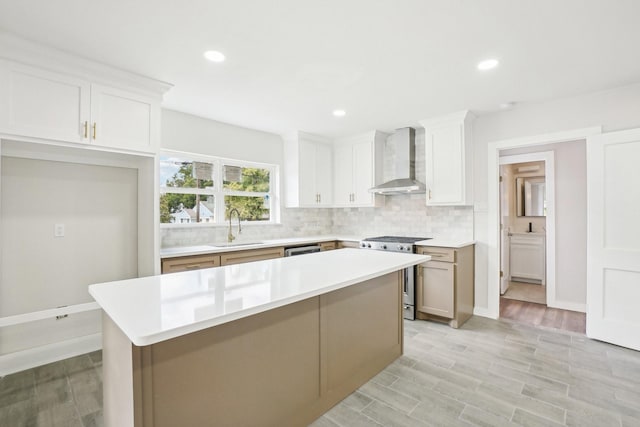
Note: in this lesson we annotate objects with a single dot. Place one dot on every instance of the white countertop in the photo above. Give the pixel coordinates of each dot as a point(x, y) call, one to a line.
point(212, 249)
point(156, 308)
point(446, 243)
point(270, 243)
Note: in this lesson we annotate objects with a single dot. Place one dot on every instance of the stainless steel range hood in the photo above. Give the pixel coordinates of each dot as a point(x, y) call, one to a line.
point(404, 181)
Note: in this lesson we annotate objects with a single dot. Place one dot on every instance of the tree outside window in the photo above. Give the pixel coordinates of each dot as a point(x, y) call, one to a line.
point(187, 197)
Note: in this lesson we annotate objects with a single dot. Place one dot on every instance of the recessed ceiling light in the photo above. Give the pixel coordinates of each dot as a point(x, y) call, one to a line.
point(214, 56)
point(487, 64)
point(339, 113)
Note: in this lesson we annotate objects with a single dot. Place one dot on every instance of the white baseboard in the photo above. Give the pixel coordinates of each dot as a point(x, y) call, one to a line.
point(483, 312)
point(30, 358)
point(568, 305)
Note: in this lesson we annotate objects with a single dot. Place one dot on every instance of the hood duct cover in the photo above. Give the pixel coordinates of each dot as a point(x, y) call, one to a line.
point(404, 182)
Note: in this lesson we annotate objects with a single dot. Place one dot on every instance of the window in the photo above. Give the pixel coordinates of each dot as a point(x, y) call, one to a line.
point(204, 190)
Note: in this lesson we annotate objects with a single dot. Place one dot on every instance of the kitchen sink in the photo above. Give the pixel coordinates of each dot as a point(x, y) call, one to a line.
point(229, 245)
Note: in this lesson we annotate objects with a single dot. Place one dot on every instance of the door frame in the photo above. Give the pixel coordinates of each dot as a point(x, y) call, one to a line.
point(548, 157)
point(493, 200)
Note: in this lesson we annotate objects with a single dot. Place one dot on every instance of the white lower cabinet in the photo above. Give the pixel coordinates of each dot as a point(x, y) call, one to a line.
point(527, 257)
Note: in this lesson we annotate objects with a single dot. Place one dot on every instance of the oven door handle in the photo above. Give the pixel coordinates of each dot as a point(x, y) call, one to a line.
point(405, 282)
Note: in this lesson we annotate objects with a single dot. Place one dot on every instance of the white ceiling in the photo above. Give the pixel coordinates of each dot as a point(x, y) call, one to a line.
point(290, 63)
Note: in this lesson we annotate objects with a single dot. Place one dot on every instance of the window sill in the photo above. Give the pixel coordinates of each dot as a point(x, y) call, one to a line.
point(216, 225)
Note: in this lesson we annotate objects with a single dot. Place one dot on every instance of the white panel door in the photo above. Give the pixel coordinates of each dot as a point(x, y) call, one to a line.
point(363, 173)
point(613, 236)
point(123, 120)
point(43, 104)
point(343, 176)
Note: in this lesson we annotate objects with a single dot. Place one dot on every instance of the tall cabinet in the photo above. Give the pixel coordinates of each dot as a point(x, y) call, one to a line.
point(64, 117)
point(357, 165)
point(449, 159)
point(308, 171)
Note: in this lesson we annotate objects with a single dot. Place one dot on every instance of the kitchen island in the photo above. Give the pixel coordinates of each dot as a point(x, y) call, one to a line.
point(274, 342)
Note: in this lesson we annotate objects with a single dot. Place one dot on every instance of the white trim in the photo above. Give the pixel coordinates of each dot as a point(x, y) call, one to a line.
point(572, 306)
point(493, 220)
point(483, 312)
point(47, 314)
point(550, 234)
point(219, 192)
point(38, 356)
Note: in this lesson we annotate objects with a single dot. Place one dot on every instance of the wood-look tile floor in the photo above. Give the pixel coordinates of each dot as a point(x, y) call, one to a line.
point(541, 315)
point(66, 394)
point(487, 373)
point(526, 292)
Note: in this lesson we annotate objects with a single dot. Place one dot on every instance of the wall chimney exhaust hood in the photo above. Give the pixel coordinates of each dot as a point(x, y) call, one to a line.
point(404, 181)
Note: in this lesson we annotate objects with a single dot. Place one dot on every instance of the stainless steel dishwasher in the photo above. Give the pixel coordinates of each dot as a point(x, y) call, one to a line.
point(301, 250)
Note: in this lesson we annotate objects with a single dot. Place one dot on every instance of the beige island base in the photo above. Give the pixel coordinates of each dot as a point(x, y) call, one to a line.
point(282, 367)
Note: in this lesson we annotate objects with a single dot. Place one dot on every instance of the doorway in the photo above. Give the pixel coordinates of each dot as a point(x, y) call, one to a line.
point(527, 189)
point(571, 260)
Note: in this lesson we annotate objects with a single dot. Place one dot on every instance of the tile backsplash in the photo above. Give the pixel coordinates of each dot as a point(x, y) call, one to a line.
point(404, 215)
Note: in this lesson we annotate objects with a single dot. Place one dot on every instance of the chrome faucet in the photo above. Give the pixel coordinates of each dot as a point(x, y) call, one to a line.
point(230, 236)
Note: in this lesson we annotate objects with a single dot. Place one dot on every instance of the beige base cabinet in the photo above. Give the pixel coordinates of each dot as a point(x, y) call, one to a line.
point(348, 244)
point(250, 255)
point(445, 285)
point(186, 263)
point(282, 367)
point(328, 246)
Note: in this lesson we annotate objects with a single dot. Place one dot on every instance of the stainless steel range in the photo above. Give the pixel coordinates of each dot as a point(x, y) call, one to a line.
point(399, 244)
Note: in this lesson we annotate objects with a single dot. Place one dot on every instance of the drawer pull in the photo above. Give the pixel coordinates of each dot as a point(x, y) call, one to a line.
point(192, 266)
point(436, 254)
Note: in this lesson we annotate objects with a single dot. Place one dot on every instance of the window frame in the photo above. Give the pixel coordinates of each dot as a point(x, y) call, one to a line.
point(219, 192)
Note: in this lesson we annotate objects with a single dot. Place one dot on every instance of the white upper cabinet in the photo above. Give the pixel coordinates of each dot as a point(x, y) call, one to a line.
point(449, 161)
point(124, 120)
point(358, 167)
point(68, 99)
point(42, 104)
point(308, 171)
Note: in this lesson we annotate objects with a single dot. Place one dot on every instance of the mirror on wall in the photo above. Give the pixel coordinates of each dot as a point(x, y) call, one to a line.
point(531, 196)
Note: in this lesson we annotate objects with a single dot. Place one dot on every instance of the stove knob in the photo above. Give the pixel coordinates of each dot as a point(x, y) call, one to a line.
point(368, 245)
point(400, 247)
point(363, 245)
point(384, 246)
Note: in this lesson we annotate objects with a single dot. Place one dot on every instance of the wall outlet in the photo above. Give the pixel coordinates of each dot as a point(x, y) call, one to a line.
point(58, 230)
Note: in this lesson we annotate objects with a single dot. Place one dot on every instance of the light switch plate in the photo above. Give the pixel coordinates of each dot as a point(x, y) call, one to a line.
point(58, 230)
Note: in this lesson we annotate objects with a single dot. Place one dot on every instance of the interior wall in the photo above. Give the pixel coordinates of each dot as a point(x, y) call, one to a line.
point(406, 215)
point(402, 214)
point(185, 132)
point(613, 110)
point(570, 160)
point(98, 207)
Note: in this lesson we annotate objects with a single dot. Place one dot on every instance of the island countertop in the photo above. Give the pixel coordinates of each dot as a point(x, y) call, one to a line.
point(152, 309)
